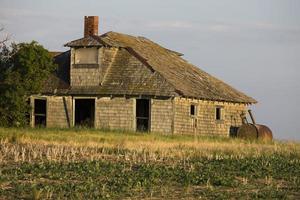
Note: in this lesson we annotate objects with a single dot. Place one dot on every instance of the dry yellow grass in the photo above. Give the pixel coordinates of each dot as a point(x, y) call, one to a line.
point(20, 145)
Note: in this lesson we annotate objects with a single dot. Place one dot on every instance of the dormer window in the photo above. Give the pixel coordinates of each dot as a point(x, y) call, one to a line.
point(86, 55)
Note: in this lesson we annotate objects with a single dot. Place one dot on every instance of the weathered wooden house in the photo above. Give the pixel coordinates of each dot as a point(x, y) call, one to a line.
point(118, 81)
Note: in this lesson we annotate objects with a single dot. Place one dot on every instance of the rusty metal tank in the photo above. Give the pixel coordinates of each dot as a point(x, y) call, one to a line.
point(254, 131)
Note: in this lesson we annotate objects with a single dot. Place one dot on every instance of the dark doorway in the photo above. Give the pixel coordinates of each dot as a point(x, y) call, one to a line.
point(40, 112)
point(84, 112)
point(142, 115)
point(233, 131)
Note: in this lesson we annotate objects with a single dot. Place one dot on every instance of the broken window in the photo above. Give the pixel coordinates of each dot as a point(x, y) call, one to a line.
point(86, 56)
point(84, 112)
point(142, 114)
point(218, 113)
point(40, 112)
point(193, 110)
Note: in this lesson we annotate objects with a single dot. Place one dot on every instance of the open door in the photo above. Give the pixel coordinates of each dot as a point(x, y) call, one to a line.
point(233, 131)
point(84, 112)
point(142, 115)
point(40, 112)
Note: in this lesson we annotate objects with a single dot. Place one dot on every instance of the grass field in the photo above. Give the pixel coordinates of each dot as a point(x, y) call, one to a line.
point(94, 164)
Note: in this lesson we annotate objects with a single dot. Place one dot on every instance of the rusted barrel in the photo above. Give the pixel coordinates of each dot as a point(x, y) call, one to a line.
point(255, 131)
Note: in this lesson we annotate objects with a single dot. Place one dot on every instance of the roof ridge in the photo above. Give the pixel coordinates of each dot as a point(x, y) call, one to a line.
point(144, 61)
point(141, 38)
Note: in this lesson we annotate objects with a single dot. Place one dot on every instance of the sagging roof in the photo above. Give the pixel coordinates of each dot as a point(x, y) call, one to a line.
point(187, 79)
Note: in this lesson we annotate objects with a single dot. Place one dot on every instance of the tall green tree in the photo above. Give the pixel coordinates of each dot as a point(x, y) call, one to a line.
point(23, 69)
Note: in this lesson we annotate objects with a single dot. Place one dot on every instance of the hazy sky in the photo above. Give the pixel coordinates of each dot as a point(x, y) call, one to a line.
point(253, 45)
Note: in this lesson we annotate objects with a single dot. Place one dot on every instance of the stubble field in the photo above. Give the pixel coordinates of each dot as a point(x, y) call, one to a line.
point(95, 164)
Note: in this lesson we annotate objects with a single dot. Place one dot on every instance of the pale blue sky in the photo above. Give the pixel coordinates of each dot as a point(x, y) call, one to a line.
point(253, 45)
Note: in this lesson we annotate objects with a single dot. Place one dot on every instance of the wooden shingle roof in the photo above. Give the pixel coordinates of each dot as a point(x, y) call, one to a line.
point(186, 79)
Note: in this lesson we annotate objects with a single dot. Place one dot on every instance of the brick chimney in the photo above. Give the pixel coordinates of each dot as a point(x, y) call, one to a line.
point(91, 25)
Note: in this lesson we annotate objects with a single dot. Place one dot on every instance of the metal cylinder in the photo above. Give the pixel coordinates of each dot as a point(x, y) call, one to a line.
point(255, 131)
point(264, 133)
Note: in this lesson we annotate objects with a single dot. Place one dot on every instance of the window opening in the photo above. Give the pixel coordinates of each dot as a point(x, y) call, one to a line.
point(193, 110)
point(218, 113)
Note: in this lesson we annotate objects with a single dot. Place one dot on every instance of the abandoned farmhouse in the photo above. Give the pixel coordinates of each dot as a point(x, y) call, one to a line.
point(118, 81)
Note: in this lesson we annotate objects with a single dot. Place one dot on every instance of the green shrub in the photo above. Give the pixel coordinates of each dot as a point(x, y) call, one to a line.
point(23, 69)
